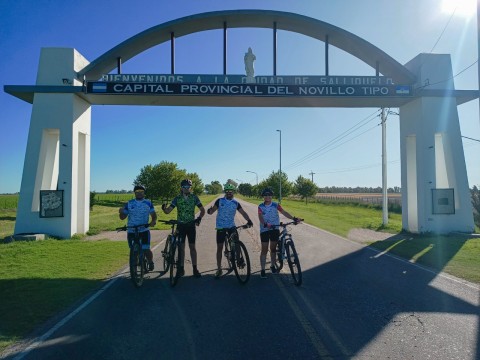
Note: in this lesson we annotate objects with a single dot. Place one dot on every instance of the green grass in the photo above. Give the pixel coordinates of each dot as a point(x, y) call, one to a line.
point(340, 218)
point(45, 281)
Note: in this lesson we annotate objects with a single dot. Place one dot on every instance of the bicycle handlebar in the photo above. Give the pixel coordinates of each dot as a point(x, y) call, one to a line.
point(244, 226)
point(169, 222)
point(125, 227)
point(295, 222)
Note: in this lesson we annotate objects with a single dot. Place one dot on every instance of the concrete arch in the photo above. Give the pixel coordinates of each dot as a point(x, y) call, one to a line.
point(301, 24)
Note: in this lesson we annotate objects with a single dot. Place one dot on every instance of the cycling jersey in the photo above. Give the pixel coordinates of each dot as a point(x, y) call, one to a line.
point(270, 214)
point(186, 207)
point(226, 212)
point(138, 212)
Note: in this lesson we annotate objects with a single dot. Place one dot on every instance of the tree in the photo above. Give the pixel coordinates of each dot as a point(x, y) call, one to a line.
point(245, 189)
point(197, 185)
point(162, 181)
point(273, 183)
point(304, 187)
point(214, 188)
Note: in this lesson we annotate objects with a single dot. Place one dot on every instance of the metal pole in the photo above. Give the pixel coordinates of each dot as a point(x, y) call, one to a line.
point(172, 53)
point(384, 170)
point(256, 175)
point(478, 47)
point(224, 48)
point(274, 48)
point(280, 172)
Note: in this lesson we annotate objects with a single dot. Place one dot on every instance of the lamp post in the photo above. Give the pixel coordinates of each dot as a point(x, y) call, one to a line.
point(253, 172)
point(280, 171)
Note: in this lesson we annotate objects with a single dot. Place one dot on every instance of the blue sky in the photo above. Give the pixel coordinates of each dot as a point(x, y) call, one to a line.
point(223, 143)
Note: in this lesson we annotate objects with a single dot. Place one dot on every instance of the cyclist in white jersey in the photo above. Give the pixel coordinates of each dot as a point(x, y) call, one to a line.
point(269, 232)
point(225, 224)
point(138, 211)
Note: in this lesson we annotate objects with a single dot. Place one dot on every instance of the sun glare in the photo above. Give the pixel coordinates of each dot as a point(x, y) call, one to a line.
point(465, 8)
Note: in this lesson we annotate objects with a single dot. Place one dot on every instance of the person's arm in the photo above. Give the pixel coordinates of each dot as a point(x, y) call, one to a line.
point(121, 212)
point(287, 214)
point(168, 209)
point(154, 219)
point(260, 216)
point(213, 208)
point(245, 216)
point(202, 214)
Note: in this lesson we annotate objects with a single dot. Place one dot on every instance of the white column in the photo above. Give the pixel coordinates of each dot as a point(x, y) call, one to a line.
point(432, 152)
point(58, 150)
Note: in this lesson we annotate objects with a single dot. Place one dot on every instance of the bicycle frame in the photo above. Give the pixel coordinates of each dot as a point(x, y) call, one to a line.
point(137, 256)
point(286, 251)
point(237, 255)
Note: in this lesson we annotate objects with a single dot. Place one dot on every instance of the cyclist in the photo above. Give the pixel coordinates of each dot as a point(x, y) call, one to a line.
point(138, 211)
point(269, 218)
point(225, 224)
point(185, 203)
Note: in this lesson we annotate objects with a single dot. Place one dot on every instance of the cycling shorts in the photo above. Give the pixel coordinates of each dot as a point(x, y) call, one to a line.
point(144, 236)
point(270, 235)
point(187, 231)
point(222, 232)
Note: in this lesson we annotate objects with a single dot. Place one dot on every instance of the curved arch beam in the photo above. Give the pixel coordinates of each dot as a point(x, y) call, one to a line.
point(314, 28)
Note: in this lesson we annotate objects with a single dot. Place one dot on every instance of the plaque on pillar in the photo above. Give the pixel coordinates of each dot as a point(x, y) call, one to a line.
point(443, 201)
point(51, 203)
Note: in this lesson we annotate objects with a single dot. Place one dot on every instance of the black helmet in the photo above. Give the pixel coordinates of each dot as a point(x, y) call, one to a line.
point(138, 187)
point(186, 182)
point(267, 192)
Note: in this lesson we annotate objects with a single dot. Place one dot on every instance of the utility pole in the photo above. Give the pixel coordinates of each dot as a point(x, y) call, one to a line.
point(384, 169)
point(311, 173)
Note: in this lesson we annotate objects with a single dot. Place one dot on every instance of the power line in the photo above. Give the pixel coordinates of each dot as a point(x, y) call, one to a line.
point(466, 137)
point(445, 28)
point(335, 140)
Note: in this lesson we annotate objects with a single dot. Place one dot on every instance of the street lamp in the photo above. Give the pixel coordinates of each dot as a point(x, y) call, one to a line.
point(280, 172)
point(253, 172)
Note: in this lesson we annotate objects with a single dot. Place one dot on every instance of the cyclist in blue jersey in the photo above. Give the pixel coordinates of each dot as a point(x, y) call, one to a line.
point(138, 211)
point(185, 204)
point(269, 218)
point(225, 224)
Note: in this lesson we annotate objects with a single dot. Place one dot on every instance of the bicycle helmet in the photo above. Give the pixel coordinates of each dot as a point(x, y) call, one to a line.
point(267, 192)
point(186, 182)
point(138, 187)
point(228, 187)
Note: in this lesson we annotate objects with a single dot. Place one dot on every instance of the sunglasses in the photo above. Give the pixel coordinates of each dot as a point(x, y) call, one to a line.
point(186, 187)
point(139, 191)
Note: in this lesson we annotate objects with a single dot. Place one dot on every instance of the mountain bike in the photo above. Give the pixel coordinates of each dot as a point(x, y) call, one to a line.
point(171, 253)
point(138, 261)
point(237, 255)
point(286, 251)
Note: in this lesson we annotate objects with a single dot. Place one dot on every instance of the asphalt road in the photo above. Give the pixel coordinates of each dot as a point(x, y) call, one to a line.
point(355, 303)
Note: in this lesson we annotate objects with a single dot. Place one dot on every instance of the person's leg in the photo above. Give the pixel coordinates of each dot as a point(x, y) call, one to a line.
point(264, 237)
point(191, 234)
point(274, 236)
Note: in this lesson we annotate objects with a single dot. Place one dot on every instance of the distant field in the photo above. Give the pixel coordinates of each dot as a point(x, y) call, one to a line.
point(8, 201)
point(374, 198)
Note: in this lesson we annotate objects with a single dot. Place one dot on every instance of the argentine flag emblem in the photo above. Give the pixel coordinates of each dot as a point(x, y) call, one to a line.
point(402, 90)
point(99, 87)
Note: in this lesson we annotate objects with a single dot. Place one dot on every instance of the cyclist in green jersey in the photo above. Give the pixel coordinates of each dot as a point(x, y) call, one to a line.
point(185, 204)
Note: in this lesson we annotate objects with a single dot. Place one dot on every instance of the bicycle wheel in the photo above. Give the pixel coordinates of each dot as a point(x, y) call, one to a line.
point(294, 263)
point(174, 264)
point(166, 254)
point(136, 265)
point(241, 262)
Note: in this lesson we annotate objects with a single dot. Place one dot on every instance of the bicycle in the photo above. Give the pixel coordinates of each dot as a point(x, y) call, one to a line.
point(171, 257)
point(286, 251)
point(237, 255)
point(137, 261)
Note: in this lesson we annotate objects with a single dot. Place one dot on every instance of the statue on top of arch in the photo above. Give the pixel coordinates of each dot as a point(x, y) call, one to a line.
point(249, 58)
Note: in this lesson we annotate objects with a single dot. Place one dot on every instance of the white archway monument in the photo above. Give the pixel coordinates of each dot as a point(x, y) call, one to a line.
point(54, 194)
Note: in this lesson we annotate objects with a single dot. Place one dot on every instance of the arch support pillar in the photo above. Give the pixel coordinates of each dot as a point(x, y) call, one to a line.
point(435, 192)
point(58, 151)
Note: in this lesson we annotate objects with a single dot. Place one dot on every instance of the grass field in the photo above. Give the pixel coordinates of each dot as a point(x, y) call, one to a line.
point(45, 282)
